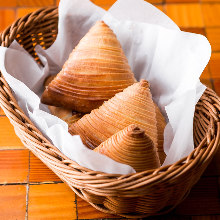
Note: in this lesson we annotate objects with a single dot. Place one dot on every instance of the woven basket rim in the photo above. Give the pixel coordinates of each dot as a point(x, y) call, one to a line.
point(80, 177)
point(21, 111)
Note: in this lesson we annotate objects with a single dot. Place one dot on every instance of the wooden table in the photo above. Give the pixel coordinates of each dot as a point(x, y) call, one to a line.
point(29, 190)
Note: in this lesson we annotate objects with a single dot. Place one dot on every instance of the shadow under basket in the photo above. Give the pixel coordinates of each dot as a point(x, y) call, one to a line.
point(152, 192)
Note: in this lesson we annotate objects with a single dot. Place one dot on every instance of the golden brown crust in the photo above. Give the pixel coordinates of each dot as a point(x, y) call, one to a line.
point(71, 102)
point(73, 118)
point(48, 80)
point(96, 70)
point(132, 106)
point(131, 146)
point(63, 113)
point(60, 112)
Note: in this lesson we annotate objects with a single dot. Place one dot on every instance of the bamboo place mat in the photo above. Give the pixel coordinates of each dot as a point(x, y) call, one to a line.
point(29, 190)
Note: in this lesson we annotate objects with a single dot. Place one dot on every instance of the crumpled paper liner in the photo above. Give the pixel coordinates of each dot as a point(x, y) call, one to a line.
point(156, 49)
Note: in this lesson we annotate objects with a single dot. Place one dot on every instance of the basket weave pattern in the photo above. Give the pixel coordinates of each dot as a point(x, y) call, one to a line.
point(136, 195)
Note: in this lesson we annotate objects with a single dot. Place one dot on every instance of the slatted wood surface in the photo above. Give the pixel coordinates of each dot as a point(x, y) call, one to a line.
point(29, 190)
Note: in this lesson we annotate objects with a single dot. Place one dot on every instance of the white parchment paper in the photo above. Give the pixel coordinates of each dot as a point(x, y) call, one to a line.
point(171, 60)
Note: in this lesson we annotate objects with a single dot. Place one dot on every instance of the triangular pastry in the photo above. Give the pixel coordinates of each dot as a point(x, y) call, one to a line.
point(95, 71)
point(131, 146)
point(132, 106)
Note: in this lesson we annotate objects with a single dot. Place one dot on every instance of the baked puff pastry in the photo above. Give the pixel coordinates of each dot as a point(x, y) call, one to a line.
point(65, 114)
point(132, 106)
point(133, 147)
point(95, 71)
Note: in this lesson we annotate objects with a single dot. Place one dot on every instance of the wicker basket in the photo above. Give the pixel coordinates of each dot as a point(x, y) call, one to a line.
point(142, 194)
